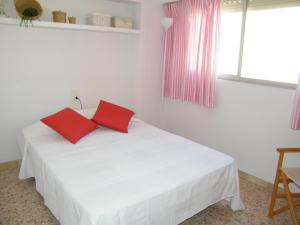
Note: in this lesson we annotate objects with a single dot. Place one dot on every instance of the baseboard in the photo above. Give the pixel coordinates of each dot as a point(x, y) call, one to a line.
point(255, 180)
point(10, 165)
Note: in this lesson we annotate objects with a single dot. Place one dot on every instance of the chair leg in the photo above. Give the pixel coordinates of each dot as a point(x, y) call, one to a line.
point(274, 195)
point(290, 200)
point(275, 187)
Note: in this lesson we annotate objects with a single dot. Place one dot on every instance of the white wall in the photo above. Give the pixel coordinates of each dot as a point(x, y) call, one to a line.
point(39, 68)
point(113, 66)
point(148, 79)
point(248, 123)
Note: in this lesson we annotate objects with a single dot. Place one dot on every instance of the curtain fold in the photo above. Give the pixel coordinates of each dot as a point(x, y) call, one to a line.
point(191, 49)
point(295, 122)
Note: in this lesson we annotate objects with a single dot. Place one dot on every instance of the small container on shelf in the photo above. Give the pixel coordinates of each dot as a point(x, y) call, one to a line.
point(99, 19)
point(72, 20)
point(122, 22)
point(59, 16)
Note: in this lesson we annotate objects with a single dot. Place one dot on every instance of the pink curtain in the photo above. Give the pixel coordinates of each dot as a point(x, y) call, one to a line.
point(296, 111)
point(191, 47)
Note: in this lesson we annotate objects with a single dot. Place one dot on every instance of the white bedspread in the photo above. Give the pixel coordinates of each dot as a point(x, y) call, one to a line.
point(146, 177)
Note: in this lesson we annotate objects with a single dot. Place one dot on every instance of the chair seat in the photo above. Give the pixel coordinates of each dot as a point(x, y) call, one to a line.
point(293, 174)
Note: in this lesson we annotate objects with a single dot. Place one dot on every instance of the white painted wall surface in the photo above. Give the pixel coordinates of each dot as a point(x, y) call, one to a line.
point(148, 78)
point(39, 68)
point(248, 123)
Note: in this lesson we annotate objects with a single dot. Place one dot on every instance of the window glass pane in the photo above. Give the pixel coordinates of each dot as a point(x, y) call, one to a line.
point(272, 46)
point(231, 22)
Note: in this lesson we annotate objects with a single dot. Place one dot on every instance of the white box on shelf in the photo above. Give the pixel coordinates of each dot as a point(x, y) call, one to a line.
point(122, 22)
point(99, 19)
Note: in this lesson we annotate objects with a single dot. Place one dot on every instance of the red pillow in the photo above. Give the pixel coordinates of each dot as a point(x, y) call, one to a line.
point(113, 116)
point(70, 124)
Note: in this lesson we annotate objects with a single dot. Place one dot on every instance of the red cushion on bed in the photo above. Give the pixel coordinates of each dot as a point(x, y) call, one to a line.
point(70, 124)
point(113, 116)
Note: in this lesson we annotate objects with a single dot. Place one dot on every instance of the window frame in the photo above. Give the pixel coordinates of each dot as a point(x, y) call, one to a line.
point(238, 77)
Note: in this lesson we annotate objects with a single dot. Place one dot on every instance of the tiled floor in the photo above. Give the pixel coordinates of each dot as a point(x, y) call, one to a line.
point(20, 204)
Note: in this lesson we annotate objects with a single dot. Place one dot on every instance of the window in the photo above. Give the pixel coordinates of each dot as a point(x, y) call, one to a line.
point(231, 20)
point(260, 40)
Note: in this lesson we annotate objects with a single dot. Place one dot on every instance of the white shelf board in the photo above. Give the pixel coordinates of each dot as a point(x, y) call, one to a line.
point(167, 1)
point(66, 26)
point(125, 1)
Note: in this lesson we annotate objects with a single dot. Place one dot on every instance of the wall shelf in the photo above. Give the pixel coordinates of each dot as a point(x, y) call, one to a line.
point(66, 26)
point(125, 1)
point(167, 1)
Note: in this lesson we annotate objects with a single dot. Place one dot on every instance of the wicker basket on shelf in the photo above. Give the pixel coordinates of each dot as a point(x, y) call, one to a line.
point(72, 20)
point(59, 16)
point(28, 9)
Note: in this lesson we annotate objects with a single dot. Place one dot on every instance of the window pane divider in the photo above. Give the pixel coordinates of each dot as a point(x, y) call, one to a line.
point(257, 81)
point(243, 29)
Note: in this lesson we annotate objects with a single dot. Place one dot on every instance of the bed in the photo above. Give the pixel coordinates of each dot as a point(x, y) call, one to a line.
point(145, 177)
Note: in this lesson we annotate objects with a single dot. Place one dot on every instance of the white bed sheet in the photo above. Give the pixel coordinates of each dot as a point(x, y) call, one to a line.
point(146, 177)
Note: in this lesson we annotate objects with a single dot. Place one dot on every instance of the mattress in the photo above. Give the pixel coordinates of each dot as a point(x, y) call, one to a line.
point(145, 177)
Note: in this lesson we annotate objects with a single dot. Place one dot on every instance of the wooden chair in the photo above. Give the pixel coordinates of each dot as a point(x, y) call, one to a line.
point(286, 176)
